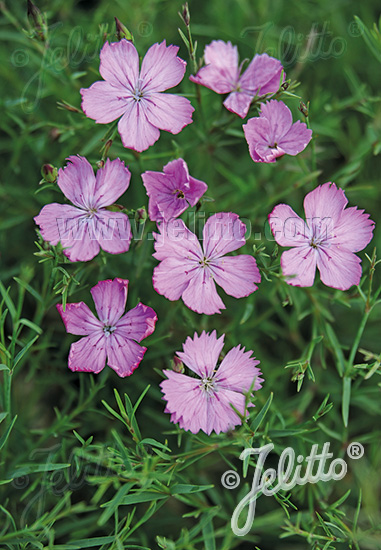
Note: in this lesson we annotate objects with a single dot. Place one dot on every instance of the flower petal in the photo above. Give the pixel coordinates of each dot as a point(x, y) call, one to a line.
point(257, 133)
point(262, 76)
point(77, 181)
point(112, 230)
point(110, 300)
point(175, 239)
point(201, 353)
point(168, 111)
point(161, 68)
point(354, 230)
point(134, 128)
point(239, 103)
point(88, 354)
point(238, 371)
point(299, 265)
point(286, 226)
point(56, 222)
point(172, 276)
point(338, 267)
point(296, 139)
point(201, 294)
point(223, 233)
point(279, 117)
point(80, 243)
point(221, 72)
point(79, 319)
point(120, 64)
point(123, 355)
point(103, 102)
point(138, 323)
point(325, 202)
point(111, 182)
point(236, 274)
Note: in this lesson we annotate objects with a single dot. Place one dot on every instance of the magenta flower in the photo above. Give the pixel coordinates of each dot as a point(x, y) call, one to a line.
point(136, 97)
point(222, 74)
point(204, 403)
point(114, 336)
point(327, 239)
point(273, 134)
point(88, 226)
point(172, 191)
point(191, 272)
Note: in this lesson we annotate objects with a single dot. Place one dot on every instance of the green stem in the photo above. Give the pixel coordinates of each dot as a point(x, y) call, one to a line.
point(357, 339)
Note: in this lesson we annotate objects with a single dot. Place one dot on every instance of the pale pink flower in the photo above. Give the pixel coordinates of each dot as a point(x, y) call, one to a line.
point(172, 191)
point(135, 97)
point(327, 239)
point(272, 134)
point(113, 337)
point(88, 226)
point(191, 272)
point(204, 402)
point(222, 74)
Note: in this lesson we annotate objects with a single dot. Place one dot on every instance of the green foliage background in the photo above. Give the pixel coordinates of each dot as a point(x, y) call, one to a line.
point(80, 467)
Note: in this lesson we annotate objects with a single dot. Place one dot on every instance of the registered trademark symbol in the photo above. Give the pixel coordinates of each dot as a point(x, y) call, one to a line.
point(355, 450)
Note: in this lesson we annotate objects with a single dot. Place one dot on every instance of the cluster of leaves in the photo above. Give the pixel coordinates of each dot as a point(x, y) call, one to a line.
point(92, 462)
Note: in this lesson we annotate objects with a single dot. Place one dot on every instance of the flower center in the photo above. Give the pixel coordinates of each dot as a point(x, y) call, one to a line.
point(91, 213)
point(204, 262)
point(179, 194)
point(108, 330)
point(208, 385)
point(138, 94)
point(273, 146)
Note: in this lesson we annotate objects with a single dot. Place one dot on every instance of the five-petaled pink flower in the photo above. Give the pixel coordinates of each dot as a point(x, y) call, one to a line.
point(190, 272)
point(327, 239)
point(137, 97)
point(112, 337)
point(172, 191)
point(222, 74)
point(272, 134)
point(88, 226)
point(204, 403)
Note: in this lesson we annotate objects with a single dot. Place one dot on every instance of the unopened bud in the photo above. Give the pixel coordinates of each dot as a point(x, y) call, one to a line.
point(285, 85)
point(177, 364)
point(122, 31)
point(37, 21)
point(185, 15)
point(303, 109)
point(49, 173)
point(141, 214)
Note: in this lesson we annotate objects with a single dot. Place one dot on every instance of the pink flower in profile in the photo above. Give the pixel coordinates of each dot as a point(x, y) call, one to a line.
point(114, 336)
point(327, 239)
point(172, 191)
point(204, 403)
point(191, 272)
point(88, 226)
point(272, 134)
point(135, 97)
point(222, 74)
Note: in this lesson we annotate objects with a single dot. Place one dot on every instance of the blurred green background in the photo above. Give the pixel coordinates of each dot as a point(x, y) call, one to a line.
point(48, 504)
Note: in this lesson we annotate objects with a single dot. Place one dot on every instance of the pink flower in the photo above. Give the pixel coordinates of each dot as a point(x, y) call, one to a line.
point(327, 239)
point(112, 337)
point(223, 75)
point(136, 97)
point(190, 272)
point(172, 191)
point(88, 226)
point(273, 134)
point(204, 403)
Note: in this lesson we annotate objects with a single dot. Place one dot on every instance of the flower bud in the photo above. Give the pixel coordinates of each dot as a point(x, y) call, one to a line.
point(185, 15)
point(122, 31)
point(37, 21)
point(141, 214)
point(177, 364)
point(49, 173)
point(303, 109)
